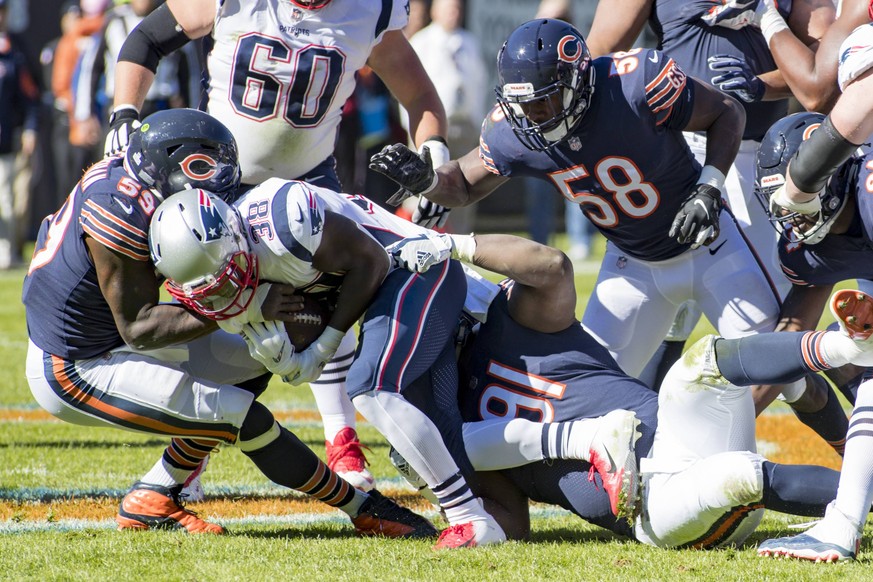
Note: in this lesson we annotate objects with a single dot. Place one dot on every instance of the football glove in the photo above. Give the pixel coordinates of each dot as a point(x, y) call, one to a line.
point(270, 345)
point(420, 253)
point(310, 362)
point(122, 122)
point(779, 199)
point(736, 78)
point(697, 220)
point(252, 314)
point(412, 171)
point(429, 214)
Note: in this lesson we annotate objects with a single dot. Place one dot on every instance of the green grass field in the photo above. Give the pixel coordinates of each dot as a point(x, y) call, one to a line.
point(60, 485)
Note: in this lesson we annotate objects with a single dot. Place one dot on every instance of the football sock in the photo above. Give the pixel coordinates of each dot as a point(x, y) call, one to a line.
point(418, 441)
point(287, 461)
point(457, 500)
point(856, 482)
point(799, 489)
point(830, 422)
point(769, 358)
point(500, 444)
point(331, 398)
point(179, 461)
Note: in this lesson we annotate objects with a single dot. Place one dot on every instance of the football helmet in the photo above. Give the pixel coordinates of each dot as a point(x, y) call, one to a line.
point(778, 147)
point(546, 81)
point(196, 241)
point(177, 149)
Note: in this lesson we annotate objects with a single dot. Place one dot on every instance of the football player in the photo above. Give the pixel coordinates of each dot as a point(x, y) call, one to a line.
point(278, 75)
point(608, 134)
point(104, 351)
point(405, 373)
point(704, 484)
point(808, 182)
point(737, 62)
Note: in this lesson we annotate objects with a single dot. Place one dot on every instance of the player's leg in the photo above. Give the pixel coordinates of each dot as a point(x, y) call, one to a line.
point(739, 299)
point(626, 312)
point(138, 392)
point(345, 453)
point(837, 537)
point(398, 347)
point(673, 345)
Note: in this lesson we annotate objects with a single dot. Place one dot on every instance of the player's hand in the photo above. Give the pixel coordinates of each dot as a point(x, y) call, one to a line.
point(736, 78)
point(122, 122)
point(780, 202)
point(309, 363)
point(413, 171)
point(429, 214)
point(270, 345)
point(737, 14)
point(697, 220)
point(418, 254)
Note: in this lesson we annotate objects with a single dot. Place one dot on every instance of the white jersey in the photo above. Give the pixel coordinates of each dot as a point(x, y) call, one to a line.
point(284, 221)
point(856, 55)
point(280, 75)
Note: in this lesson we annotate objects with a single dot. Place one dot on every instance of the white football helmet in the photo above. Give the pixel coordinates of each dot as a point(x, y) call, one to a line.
point(196, 241)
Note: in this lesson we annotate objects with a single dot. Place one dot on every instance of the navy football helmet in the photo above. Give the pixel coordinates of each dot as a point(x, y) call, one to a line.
point(545, 82)
point(183, 148)
point(778, 147)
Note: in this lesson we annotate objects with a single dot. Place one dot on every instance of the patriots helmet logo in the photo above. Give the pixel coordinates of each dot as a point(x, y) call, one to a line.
point(213, 224)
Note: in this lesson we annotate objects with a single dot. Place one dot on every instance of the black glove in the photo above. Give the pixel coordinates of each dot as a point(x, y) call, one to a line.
point(122, 123)
point(697, 220)
point(413, 171)
point(736, 78)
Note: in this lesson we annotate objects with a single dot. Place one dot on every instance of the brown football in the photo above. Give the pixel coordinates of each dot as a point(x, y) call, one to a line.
point(308, 323)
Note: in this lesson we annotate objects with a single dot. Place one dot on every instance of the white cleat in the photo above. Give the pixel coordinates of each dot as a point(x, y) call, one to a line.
point(853, 311)
point(479, 532)
point(612, 455)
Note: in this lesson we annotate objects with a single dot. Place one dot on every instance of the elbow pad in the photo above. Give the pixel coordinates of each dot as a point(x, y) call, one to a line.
point(819, 157)
point(154, 38)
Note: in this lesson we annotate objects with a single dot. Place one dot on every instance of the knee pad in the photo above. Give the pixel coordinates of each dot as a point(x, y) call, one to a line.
point(258, 421)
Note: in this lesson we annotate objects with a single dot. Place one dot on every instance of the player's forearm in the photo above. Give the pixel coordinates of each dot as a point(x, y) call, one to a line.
point(427, 118)
point(815, 88)
point(523, 260)
point(360, 285)
point(132, 83)
point(803, 307)
point(163, 325)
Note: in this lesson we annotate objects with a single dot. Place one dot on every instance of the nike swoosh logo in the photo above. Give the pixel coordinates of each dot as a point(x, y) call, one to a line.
point(612, 465)
point(702, 205)
point(125, 206)
point(300, 210)
point(714, 250)
point(654, 57)
point(278, 358)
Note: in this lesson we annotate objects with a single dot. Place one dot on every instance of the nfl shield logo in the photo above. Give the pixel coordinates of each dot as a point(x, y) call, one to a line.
point(575, 144)
point(297, 14)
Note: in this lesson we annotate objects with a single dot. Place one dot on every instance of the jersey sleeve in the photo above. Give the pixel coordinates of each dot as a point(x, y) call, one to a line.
point(856, 55)
point(494, 143)
point(669, 96)
point(106, 219)
point(298, 216)
point(394, 16)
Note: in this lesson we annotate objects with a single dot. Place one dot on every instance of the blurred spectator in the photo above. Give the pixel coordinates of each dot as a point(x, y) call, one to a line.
point(61, 152)
point(453, 59)
point(85, 130)
point(176, 81)
point(19, 108)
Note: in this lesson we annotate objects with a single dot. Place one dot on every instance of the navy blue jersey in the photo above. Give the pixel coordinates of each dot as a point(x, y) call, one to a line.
point(627, 163)
point(511, 371)
point(66, 312)
point(687, 39)
point(837, 257)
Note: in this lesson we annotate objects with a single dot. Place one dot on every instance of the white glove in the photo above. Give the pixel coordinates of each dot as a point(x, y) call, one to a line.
point(123, 121)
point(269, 344)
point(252, 314)
point(430, 214)
point(779, 199)
point(418, 254)
point(310, 362)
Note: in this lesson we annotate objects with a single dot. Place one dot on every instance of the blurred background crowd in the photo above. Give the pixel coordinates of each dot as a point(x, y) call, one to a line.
point(57, 62)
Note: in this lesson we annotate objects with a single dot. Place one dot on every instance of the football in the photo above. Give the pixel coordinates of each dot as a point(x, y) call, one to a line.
point(307, 323)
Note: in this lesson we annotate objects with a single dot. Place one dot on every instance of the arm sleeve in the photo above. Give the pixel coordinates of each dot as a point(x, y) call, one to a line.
point(154, 38)
point(669, 95)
